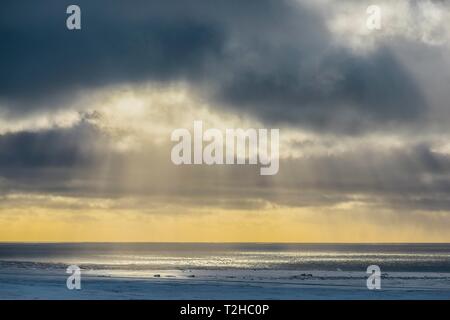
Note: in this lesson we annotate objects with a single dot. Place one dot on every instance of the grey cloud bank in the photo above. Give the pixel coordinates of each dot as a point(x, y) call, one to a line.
point(273, 60)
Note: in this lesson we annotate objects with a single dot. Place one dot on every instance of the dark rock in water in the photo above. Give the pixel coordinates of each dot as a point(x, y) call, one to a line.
point(157, 275)
point(191, 276)
point(302, 276)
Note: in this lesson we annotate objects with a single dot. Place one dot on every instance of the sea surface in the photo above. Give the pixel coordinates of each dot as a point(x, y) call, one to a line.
point(235, 270)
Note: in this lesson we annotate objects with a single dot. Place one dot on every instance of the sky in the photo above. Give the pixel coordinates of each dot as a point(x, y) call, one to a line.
point(86, 118)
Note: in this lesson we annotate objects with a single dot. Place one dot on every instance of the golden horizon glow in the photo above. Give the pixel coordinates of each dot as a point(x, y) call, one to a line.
point(210, 225)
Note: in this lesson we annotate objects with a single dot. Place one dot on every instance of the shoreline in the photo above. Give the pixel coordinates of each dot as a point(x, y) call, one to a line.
point(212, 285)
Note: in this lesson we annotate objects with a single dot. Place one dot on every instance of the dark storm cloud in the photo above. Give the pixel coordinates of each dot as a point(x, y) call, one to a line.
point(69, 161)
point(413, 177)
point(48, 148)
point(271, 59)
point(51, 160)
point(40, 58)
point(342, 91)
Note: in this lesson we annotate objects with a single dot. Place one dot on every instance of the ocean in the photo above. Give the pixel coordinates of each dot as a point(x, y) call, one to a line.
point(225, 271)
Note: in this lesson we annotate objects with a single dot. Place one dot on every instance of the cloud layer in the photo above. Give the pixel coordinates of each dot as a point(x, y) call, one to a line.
point(278, 61)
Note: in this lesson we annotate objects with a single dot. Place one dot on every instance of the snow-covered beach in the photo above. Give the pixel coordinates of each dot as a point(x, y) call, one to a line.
point(198, 284)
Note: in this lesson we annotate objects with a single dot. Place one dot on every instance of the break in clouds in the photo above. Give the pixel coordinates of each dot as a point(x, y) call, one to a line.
point(363, 115)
